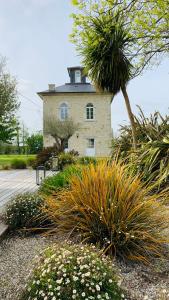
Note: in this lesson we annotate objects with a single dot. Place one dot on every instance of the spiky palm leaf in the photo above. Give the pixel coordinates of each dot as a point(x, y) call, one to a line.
point(105, 54)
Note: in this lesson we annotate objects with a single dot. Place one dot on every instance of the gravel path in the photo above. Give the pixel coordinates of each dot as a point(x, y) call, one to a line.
point(146, 282)
point(17, 254)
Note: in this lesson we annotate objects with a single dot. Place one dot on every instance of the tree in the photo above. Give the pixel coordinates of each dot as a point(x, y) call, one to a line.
point(35, 143)
point(8, 128)
point(104, 57)
point(61, 131)
point(8, 104)
point(146, 21)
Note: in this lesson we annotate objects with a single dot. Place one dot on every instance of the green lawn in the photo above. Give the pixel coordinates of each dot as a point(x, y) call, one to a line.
point(5, 160)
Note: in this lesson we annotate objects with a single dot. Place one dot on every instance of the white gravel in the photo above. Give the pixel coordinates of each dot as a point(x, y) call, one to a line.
point(146, 282)
point(17, 254)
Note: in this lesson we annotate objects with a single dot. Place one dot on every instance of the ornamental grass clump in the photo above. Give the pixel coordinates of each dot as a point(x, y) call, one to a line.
point(111, 208)
point(73, 272)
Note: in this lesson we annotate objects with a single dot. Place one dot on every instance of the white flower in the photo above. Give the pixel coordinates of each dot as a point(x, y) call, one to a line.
point(59, 280)
point(97, 287)
point(83, 294)
point(110, 280)
point(75, 278)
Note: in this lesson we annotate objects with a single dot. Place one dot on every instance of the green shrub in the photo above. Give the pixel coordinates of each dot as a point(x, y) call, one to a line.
point(31, 162)
point(152, 161)
point(108, 206)
point(86, 160)
point(6, 167)
point(18, 163)
point(148, 129)
point(74, 152)
point(24, 211)
point(65, 272)
point(60, 180)
point(66, 159)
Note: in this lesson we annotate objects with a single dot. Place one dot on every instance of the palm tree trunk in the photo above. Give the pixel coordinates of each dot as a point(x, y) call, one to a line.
point(131, 117)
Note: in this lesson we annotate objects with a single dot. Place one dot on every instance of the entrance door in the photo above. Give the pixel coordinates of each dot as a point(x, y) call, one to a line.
point(90, 150)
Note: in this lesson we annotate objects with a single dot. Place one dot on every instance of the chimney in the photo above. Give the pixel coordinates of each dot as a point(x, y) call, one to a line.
point(52, 87)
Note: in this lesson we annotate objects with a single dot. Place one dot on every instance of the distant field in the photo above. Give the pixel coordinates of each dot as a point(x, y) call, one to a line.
point(5, 160)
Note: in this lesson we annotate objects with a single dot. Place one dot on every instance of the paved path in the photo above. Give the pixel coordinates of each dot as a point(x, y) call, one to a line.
point(14, 182)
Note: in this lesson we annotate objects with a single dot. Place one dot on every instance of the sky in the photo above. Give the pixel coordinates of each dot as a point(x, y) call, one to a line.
point(34, 37)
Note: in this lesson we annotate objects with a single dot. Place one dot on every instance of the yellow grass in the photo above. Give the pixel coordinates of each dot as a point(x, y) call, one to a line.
point(109, 207)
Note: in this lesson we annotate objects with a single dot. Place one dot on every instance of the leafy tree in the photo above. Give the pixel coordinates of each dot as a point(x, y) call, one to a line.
point(146, 21)
point(8, 128)
point(61, 131)
point(8, 104)
point(35, 143)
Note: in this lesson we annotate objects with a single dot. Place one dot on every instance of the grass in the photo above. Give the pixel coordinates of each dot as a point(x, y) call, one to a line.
point(6, 160)
point(109, 207)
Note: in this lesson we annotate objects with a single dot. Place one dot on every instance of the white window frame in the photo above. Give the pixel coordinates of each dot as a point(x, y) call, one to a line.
point(89, 111)
point(63, 111)
point(90, 143)
point(77, 76)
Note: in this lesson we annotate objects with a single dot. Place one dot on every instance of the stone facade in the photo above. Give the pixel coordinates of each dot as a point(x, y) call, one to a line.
point(96, 130)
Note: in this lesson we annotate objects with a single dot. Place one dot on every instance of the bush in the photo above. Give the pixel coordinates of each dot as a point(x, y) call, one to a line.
point(6, 148)
point(60, 180)
point(24, 211)
point(18, 163)
point(86, 160)
point(31, 162)
point(109, 207)
point(73, 272)
point(66, 159)
point(152, 161)
point(148, 129)
point(43, 157)
point(74, 152)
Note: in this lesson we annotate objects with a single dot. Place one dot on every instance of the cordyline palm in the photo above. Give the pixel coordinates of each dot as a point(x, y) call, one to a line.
point(104, 54)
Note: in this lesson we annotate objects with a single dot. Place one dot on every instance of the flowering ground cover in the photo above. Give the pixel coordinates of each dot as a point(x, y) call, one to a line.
point(140, 281)
point(70, 271)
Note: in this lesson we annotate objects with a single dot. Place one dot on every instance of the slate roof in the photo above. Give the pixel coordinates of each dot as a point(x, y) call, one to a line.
point(72, 88)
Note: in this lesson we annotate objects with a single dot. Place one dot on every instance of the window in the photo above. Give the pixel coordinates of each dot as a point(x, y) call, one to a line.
point(89, 111)
point(66, 145)
point(90, 143)
point(77, 76)
point(63, 111)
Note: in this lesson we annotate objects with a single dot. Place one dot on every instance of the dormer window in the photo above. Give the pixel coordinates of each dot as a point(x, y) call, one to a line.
point(63, 111)
point(77, 76)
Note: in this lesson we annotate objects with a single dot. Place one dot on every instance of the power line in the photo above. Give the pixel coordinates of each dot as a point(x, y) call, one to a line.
point(35, 109)
point(30, 100)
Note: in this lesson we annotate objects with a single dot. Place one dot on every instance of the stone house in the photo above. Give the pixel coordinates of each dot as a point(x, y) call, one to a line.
point(80, 101)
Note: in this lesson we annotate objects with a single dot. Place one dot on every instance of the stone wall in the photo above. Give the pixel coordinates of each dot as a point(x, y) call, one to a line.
point(99, 128)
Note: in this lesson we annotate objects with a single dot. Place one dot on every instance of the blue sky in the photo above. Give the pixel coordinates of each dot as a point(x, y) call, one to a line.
point(34, 38)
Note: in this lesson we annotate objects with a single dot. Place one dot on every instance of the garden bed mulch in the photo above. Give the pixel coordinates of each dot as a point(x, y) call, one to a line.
point(17, 253)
